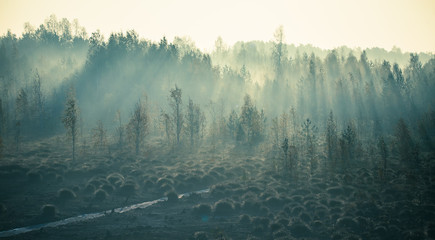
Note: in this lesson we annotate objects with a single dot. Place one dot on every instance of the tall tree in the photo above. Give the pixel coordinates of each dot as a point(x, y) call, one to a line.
point(38, 101)
point(120, 129)
point(99, 136)
point(194, 121)
point(279, 53)
point(138, 125)
point(175, 102)
point(331, 139)
point(71, 117)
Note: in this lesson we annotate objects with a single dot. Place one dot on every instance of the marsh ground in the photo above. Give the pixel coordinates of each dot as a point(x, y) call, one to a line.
point(247, 198)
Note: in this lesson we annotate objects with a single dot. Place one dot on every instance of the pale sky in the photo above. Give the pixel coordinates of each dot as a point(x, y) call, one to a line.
point(408, 24)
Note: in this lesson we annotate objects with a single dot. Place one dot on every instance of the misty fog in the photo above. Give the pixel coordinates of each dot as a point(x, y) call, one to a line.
point(304, 111)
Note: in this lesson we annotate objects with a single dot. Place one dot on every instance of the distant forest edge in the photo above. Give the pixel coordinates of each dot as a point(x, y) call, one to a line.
point(368, 90)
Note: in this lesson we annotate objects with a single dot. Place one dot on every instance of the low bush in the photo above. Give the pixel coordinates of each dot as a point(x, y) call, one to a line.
point(223, 208)
point(34, 177)
point(48, 211)
point(202, 210)
point(100, 195)
point(172, 196)
point(65, 194)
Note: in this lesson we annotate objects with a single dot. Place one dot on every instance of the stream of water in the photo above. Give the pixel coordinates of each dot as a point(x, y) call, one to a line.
point(89, 216)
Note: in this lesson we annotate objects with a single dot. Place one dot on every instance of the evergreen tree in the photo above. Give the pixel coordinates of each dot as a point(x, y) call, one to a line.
point(177, 111)
point(70, 118)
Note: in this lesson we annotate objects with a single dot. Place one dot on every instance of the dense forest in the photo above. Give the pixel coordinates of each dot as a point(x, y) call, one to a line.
point(285, 84)
point(306, 110)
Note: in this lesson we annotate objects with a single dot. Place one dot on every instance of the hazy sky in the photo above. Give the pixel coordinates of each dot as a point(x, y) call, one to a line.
point(408, 24)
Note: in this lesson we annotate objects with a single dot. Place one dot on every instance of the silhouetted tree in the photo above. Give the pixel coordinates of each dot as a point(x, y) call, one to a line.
point(175, 102)
point(252, 121)
point(331, 139)
point(71, 117)
point(120, 130)
point(348, 145)
point(405, 146)
point(284, 148)
point(194, 121)
point(99, 136)
point(233, 122)
point(309, 133)
point(138, 125)
point(38, 101)
point(279, 53)
point(167, 124)
point(383, 152)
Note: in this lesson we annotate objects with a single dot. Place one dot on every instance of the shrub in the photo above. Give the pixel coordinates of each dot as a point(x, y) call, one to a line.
point(244, 219)
point(2, 209)
point(65, 194)
point(172, 196)
point(100, 195)
point(223, 208)
point(89, 188)
point(48, 211)
point(202, 210)
point(128, 189)
point(300, 230)
point(116, 179)
point(200, 236)
point(34, 177)
point(274, 227)
point(108, 188)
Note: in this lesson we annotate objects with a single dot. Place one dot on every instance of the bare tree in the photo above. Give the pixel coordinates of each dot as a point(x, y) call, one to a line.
point(21, 115)
point(177, 107)
point(194, 121)
point(138, 125)
point(71, 117)
point(167, 125)
point(38, 101)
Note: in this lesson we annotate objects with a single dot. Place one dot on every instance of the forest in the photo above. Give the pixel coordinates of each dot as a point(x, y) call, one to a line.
point(289, 141)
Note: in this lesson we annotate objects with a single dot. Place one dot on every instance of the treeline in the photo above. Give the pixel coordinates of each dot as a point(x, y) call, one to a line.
point(244, 95)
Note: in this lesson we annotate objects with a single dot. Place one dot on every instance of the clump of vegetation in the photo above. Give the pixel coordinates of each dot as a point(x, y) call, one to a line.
point(200, 236)
point(34, 177)
point(202, 210)
point(245, 219)
point(90, 188)
point(128, 189)
point(108, 188)
point(65, 194)
point(172, 196)
point(116, 179)
point(100, 195)
point(223, 208)
point(3, 209)
point(48, 211)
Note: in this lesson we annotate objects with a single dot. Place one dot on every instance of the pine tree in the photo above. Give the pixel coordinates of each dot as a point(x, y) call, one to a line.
point(408, 151)
point(383, 152)
point(177, 107)
point(71, 117)
point(331, 139)
point(233, 121)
